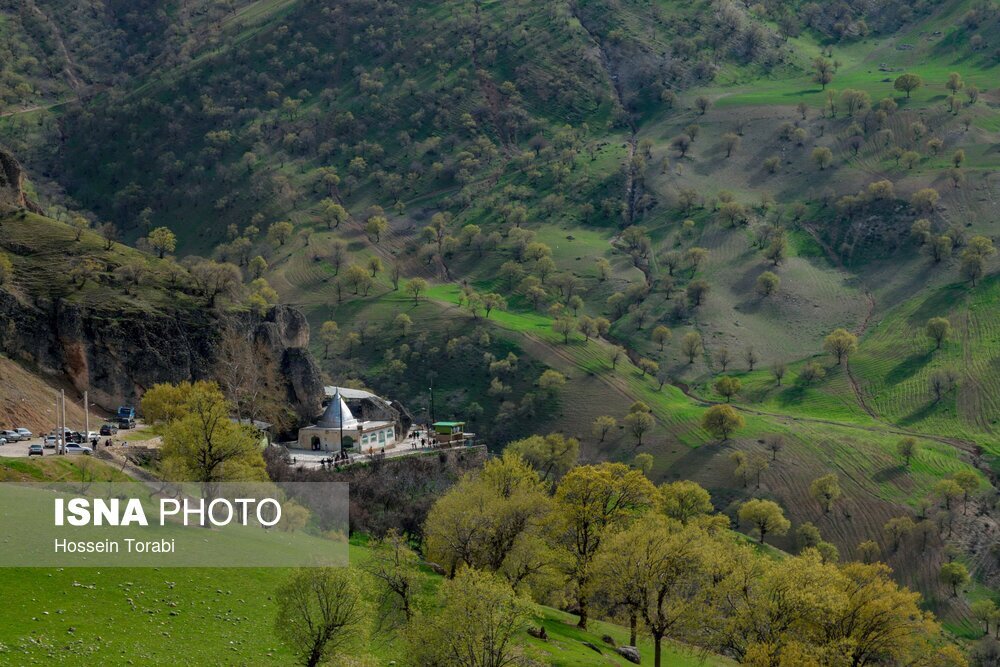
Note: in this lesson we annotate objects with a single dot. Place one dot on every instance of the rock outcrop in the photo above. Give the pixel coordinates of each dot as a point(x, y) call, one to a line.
point(630, 653)
point(118, 356)
point(12, 185)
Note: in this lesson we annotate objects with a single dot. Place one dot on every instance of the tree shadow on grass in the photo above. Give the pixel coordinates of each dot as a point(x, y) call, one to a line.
point(919, 414)
point(908, 367)
point(889, 474)
point(793, 394)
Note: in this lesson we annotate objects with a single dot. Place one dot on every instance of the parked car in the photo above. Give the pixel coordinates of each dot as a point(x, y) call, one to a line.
point(36, 450)
point(11, 436)
point(74, 448)
point(109, 429)
point(50, 441)
point(24, 433)
point(3, 440)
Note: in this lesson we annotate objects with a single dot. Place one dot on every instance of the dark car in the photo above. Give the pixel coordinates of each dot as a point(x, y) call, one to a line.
point(36, 450)
point(109, 429)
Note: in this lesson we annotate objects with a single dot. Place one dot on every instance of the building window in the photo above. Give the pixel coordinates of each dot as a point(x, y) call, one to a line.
point(381, 436)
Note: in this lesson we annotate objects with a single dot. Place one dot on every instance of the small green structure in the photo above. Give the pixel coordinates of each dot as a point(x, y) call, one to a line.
point(448, 432)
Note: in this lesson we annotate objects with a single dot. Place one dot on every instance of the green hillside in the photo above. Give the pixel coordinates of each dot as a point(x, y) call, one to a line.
point(751, 176)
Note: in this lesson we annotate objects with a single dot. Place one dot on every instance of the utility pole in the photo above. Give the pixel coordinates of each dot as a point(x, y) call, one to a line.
point(86, 418)
point(62, 430)
point(431, 390)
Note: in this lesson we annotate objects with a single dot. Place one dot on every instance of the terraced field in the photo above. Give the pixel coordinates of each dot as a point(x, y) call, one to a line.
point(896, 360)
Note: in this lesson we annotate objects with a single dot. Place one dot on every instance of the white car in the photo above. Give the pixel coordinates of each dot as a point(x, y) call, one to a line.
point(3, 440)
point(73, 448)
point(24, 433)
point(50, 441)
point(11, 436)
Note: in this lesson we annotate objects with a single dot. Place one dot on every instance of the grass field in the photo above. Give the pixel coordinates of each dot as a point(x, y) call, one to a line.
point(158, 616)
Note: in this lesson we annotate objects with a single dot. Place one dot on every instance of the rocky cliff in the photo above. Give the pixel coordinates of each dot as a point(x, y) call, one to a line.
point(12, 185)
point(117, 339)
point(117, 358)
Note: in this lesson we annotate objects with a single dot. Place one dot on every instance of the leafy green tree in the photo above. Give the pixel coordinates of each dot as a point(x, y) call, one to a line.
point(907, 448)
point(953, 575)
point(257, 266)
point(394, 566)
point(564, 326)
point(840, 343)
point(552, 456)
point(591, 503)
point(907, 83)
point(948, 490)
point(657, 571)
point(414, 287)
point(375, 227)
point(638, 424)
point(684, 501)
point(822, 156)
point(969, 482)
point(602, 426)
point(767, 283)
point(493, 617)
point(403, 324)
point(280, 232)
point(332, 213)
point(493, 301)
point(691, 345)
point(648, 366)
point(822, 72)
point(727, 386)
point(826, 491)
point(261, 296)
point(205, 446)
point(329, 332)
point(938, 329)
point(162, 241)
point(321, 614)
point(661, 335)
point(954, 82)
point(721, 421)
point(766, 516)
point(551, 381)
point(79, 224)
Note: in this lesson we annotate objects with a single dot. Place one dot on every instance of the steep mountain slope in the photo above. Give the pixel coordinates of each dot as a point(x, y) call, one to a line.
point(651, 159)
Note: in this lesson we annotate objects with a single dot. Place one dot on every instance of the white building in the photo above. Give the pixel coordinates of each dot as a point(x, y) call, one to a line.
point(338, 430)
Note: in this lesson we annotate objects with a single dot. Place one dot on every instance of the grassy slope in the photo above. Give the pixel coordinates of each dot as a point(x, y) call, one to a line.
point(823, 287)
point(159, 616)
point(211, 617)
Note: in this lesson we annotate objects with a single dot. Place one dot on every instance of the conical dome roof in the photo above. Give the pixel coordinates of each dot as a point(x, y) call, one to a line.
point(337, 415)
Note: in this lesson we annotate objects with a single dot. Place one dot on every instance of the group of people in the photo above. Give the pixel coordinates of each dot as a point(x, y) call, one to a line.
point(419, 440)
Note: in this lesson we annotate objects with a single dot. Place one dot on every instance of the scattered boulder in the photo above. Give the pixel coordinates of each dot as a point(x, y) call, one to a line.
point(630, 653)
point(592, 647)
point(539, 633)
point(608, 639)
